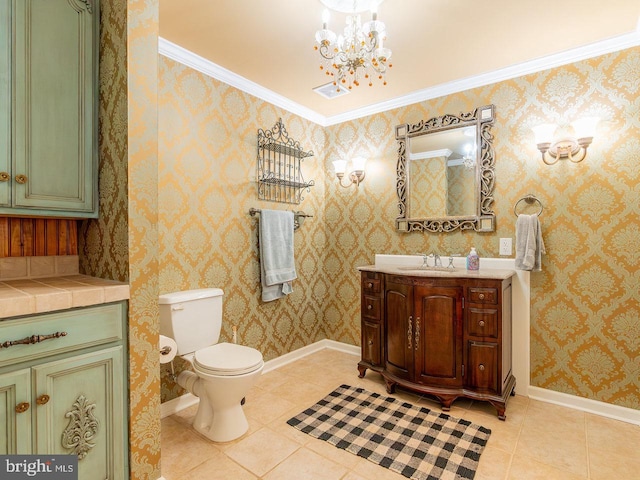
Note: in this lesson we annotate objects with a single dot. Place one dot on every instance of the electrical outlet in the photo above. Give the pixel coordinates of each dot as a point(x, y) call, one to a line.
point(505, 246)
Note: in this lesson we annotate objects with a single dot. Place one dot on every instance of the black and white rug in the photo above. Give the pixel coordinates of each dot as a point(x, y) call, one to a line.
point(410, 440)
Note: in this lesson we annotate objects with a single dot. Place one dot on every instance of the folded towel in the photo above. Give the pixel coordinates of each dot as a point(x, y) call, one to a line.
point(529, 243)
point(277, 264)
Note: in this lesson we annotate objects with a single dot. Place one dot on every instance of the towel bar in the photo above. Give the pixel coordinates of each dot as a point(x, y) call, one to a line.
point(297, 216)
point(530, 199)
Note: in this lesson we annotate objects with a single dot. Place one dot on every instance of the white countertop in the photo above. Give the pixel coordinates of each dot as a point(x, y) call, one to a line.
point(39, 295)
point(483, 273)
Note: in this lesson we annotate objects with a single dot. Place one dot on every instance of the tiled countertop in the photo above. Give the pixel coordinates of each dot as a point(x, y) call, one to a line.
point(39, 295)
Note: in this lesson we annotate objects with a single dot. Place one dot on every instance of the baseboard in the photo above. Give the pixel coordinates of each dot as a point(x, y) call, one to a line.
point(596, 407)
point(185, 401)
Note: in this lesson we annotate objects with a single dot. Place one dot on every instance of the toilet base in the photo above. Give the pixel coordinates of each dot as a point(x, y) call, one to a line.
point(222, 426)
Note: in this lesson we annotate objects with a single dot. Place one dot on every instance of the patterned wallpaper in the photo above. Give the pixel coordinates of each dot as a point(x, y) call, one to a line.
point(585, 312)
point(122, 243)
point(428, 175)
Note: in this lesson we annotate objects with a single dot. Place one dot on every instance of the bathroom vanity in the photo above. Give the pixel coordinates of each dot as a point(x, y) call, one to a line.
point(445, 333)
point(63, 371)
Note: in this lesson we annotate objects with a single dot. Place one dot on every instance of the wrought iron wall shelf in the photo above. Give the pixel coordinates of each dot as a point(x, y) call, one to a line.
point(279, 159)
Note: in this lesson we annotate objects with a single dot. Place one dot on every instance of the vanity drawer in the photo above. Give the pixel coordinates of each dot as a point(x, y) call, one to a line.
point(371, 307)
point(69, 330)
point(482, 322)
point(371, 284)
point(483, 295)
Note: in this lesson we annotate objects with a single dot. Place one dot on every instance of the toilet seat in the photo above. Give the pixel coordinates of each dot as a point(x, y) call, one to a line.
point(227, 359)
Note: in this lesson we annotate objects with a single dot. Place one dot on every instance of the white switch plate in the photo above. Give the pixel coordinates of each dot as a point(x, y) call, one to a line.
point(505, 246)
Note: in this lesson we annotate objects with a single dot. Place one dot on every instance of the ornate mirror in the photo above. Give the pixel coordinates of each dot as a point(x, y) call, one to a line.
point(445, 173)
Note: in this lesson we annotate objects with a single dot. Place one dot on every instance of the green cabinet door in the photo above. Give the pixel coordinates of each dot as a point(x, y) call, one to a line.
point(80, 410)
point(15, 413)
point(5, 103)
point(55, 114)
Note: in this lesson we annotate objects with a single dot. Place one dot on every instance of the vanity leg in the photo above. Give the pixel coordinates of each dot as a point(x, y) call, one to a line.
point(391, 386)
point(362, 369)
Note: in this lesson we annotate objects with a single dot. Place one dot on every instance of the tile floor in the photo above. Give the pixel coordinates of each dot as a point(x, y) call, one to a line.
point(537, 441)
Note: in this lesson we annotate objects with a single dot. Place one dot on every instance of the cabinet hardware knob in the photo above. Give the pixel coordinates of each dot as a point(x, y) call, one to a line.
point(22, 407)
point(370, 342)
point(43, 399)
point(481, 323)
point(369, 285)
point(481, 296)
point(21, 179)
point(369, 307)
point(410, 333)
point(481, 367)
point(4, 177)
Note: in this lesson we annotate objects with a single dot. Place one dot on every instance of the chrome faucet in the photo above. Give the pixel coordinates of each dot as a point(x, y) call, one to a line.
point(438, 262)
point(425, 261)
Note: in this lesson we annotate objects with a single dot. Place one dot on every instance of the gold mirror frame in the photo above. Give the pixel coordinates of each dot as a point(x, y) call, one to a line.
point(484, 219)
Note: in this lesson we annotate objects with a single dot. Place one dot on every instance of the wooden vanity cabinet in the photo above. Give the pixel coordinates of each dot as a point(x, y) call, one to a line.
point(443, 336)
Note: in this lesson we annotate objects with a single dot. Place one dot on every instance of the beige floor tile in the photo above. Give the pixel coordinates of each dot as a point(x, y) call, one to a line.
point(270, 381)
point(494, 464)
point(265, 406)
point(280, 425)
point(217, 467)
point(262, 451)
point(371, 470)
point(182, 449)
point(613, 447)
point(354, 476)
point(327, 450)
point(527, 468)
point(306, 465)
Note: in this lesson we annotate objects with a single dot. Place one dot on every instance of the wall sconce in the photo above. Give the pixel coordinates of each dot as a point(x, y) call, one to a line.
point(573, 148)
point(356, 175)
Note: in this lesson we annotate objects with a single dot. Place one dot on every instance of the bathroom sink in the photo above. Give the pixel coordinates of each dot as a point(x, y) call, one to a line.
point(429, 269)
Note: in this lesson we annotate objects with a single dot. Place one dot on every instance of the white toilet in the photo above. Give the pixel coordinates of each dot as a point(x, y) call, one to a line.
point(224, 372)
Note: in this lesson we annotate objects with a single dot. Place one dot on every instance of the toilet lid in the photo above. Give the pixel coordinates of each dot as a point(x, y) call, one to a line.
point(227, 359)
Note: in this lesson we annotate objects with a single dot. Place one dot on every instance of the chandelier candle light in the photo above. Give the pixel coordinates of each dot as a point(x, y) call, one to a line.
point(359, 50)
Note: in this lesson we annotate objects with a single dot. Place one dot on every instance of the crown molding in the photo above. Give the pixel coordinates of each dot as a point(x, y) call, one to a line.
point(190, 59)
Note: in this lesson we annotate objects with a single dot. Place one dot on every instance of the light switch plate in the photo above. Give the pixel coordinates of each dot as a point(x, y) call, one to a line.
point(506, 246)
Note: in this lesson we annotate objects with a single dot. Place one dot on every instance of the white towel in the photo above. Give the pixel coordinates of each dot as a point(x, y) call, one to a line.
point(529, 243)
point(277, 263)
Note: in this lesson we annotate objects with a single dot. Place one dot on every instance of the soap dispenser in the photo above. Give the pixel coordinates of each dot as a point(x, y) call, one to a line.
point(473, 261)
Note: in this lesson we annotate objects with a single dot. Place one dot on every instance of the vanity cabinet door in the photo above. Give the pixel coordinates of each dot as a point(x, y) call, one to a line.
point(80, 410)
point(15, 413)
point(371, 336)
point(438, 335)
point(399, 330)
point(482, 367)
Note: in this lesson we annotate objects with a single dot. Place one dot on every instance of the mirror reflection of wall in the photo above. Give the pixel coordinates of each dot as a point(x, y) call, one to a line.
point(442, 174)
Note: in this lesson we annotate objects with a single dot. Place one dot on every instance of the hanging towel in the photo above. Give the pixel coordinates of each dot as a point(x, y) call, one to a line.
point(529, 244)
point(277, 264)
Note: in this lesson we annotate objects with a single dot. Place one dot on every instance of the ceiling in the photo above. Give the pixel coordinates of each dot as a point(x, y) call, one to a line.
point(439, 46)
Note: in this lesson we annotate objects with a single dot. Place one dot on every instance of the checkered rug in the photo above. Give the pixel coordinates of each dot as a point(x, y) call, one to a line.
point(410, 440)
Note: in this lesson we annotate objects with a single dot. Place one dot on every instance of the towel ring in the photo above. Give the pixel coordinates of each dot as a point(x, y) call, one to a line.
point(530, 199)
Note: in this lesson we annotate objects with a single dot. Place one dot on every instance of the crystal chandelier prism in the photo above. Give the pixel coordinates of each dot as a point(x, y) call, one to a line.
point(358, 53)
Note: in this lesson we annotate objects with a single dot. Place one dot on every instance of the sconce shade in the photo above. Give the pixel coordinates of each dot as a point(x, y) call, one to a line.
point(585, 127)
point(340, 166)
point(544, 133)
point(359, 163)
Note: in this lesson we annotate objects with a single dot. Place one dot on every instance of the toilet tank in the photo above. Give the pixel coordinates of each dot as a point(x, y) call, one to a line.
point(193, 318)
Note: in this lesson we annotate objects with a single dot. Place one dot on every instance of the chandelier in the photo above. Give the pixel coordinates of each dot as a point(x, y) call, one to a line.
point(358, 52)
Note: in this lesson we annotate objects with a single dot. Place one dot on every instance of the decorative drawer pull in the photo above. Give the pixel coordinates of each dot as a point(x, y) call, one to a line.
point(22, 407)
point(369, 285)
point(22, 179)
point(369, 307)
point(481, 296)
point(481, 323)
point(32, 339)
point(410, 333)
point(4, 177)
point(370, 342)
point(43, 399)
point(481, 367)
point(417, 333)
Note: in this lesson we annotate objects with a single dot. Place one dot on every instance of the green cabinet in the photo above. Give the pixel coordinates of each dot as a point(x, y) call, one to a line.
point(66, 394)
point(51, 165)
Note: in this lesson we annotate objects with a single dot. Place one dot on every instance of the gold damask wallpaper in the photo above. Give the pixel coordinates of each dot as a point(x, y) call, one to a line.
point(585, 312)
